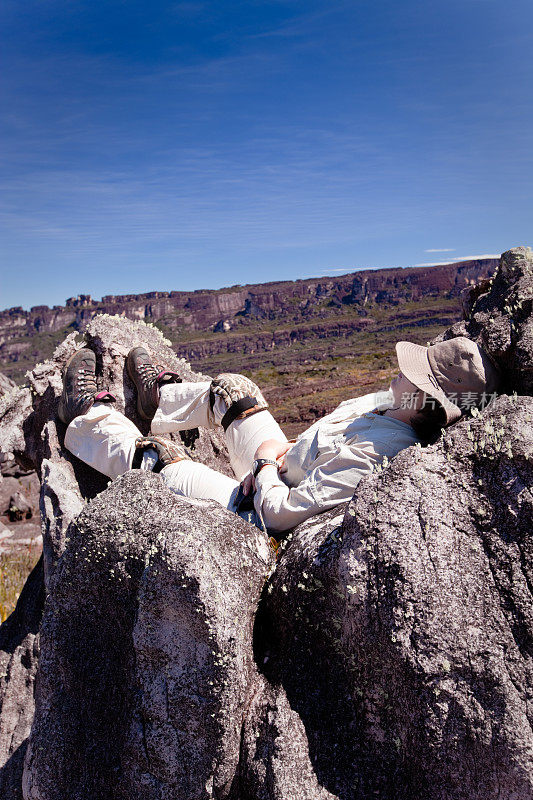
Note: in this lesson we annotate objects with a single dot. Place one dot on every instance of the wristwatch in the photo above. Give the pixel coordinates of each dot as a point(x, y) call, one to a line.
point(259, 463)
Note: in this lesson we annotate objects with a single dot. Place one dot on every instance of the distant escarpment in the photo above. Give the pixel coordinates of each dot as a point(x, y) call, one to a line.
point(198, 323)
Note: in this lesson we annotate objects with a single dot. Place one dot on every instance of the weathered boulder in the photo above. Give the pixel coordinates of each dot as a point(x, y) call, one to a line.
point(19, 507)
point(149, 700)
point(19, 497)
point(8, 465)
point(387, 655)
point(6, 384)
point(500, 319)
point(407, 637)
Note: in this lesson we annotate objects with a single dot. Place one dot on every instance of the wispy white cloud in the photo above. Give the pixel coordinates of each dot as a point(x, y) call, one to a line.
point(301, 25)
point(483, 255)
point(349, 270)
point(454, 260)
point(440, 250)
point(432, 264)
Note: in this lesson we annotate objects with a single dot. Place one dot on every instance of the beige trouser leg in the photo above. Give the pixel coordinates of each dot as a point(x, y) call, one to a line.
point(105, 439)
point(186, 405)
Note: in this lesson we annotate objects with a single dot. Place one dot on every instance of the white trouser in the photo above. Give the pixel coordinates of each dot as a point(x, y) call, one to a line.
point(105, 439)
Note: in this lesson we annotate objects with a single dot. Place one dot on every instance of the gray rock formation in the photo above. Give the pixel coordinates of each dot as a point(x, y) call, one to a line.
point(500, 319)
point(8, 465)
point(19, 656)
point(21, 531)
point(150, 701)
point(387, 655)
point(19, 507)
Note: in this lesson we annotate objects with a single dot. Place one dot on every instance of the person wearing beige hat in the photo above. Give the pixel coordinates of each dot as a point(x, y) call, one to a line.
point(283, 482)
point(449, 372)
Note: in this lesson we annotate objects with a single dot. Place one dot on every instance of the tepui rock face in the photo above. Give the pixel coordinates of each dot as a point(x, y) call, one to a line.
point(221, 309)
point(387, 653)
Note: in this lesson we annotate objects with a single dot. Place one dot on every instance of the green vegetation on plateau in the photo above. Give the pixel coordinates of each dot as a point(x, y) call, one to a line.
point(40, 347)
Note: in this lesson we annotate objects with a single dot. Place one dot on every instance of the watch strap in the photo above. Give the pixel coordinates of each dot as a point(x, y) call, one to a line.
point(259, 463)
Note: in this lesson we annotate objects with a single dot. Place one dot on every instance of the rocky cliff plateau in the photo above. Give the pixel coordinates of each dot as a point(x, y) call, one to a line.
point(159, 651)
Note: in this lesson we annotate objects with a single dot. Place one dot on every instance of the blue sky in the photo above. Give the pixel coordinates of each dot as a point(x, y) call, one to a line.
point(183, 145)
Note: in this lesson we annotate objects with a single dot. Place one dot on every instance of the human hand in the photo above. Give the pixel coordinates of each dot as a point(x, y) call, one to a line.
point(247, 483)
point(272, 448)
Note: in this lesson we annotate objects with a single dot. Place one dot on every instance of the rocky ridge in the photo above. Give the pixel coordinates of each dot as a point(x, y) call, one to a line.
point(386, 653)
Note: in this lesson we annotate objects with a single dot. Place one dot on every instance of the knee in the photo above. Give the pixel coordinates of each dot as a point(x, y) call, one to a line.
point(240, 395)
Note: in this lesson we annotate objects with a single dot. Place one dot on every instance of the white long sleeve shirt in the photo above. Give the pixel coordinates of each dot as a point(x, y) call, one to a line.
point(327, 461)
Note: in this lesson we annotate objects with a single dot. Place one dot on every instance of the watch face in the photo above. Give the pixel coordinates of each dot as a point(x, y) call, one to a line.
point(260, 463)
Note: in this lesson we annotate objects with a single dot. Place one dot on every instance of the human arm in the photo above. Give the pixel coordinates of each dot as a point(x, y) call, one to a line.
point(331, 482)
point(271, 449)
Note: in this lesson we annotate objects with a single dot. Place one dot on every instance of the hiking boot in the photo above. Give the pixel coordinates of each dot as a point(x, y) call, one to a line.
point(168, 451)
point(147, 379)
point(79, 386)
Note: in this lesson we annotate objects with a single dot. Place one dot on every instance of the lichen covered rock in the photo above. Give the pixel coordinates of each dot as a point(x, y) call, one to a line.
point(500, 319)
point(148, 701)
point(19, 658)
point(406, 648)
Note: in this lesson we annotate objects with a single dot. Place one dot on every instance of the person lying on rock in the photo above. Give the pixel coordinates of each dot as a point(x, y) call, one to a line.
point(290, 481)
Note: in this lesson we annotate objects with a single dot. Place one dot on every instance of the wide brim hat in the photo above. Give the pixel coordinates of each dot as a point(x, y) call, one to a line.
point(457, 373)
